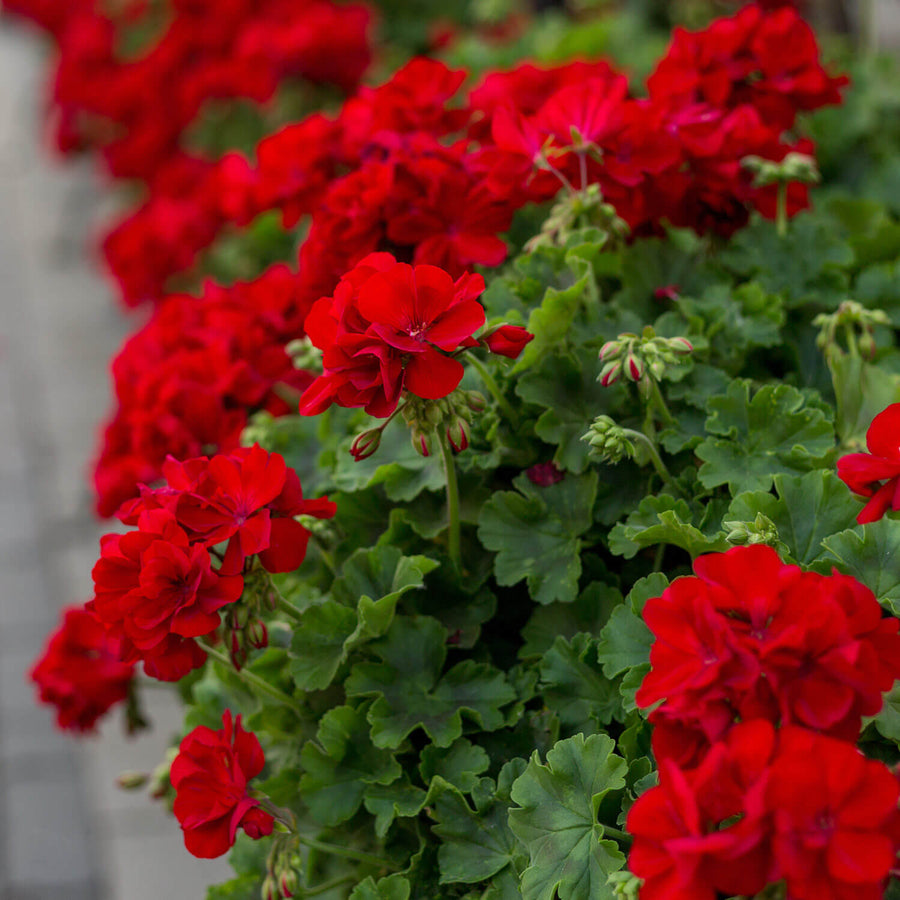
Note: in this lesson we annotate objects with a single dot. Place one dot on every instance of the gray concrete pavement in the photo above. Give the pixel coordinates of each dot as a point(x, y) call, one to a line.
point(66, 831)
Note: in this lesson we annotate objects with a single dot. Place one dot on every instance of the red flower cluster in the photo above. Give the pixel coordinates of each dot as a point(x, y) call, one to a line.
point(412, 168)
point(767, 805)
point(742, 640)
point(210, 776)
point(156, 588)
point(80, 672)
point(135, 108)
point(188, 379)
point(764, 673)
point(864, 473)
point(388, 329)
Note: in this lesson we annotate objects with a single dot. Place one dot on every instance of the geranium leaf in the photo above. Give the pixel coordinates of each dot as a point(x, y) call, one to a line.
point(808, 509)
point(339, 765)
point(410, 692)
point(662, 520)
point(535, 532)
point(475, 843)
point(871, 554)
point(566, 388)
point(557, 821)
point(392, 887)
point(328, 632)
point(400, 799)
point(775, 431)
point(460, 764)
point(625, 642)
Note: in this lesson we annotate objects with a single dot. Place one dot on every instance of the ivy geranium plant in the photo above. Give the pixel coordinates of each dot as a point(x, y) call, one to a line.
point(566, 578)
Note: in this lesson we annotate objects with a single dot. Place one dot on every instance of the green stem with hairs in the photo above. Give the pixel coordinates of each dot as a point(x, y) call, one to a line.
point(251, 679)
point(494, 389)
point(616, 833)
point(453, 526)
point(345, 852)
point(325, 887)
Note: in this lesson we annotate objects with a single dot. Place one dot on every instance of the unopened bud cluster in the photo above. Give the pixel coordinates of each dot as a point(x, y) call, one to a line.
point(635, 355)
point(450, 416)
point(609, 442)
point(857, 323)
point(625, 884)
point(795, 167)
point(761, 530)
point(243, 625)
point(580, 209)
point(282, 881)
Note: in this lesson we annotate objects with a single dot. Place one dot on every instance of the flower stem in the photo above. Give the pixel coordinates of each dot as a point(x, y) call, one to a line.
point(344, 852)
point(251, 679)
point(325, 886)
point(781, 220)
point(653, 453)
point(288, 608)
point(658, 401)
point(494, 389)
point(616, 833)
point(453, 542)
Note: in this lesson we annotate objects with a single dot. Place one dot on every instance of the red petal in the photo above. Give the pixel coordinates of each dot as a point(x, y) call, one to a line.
point(432, 375)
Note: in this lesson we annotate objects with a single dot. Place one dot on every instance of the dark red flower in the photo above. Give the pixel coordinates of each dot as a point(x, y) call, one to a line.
point(80, 672)
point(507, 340)
point(210, 776)
point(864, 473)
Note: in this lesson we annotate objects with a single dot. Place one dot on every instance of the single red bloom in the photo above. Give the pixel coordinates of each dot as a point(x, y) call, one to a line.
point(210, 776)
point(508, 340)
point(864, 472)
point(835, 815)
point(80, 672)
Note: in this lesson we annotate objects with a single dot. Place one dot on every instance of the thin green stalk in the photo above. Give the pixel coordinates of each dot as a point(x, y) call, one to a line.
point(494, 389)
point(345, 852)
point(658, 401)
point(288, 608)
point(616, 833)
point(324, 552)
point(251, 679)
point(781, 219)
point(453, 540)
point(658, 558)
point(325, 887)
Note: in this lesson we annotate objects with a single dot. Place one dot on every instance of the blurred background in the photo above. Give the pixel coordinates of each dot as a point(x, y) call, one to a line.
point(66, 831)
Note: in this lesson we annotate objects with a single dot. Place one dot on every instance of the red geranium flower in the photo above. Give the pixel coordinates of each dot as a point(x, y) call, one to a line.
point(80, 672)
point(210, 776)
point(864, 472)
point(835, 816)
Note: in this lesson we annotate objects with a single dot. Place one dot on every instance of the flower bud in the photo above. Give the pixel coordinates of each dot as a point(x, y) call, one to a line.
point(132, 781)
point(422, 441)
point(434, 413)
point(634, 367)
point(257, 634)
point(475, 401)
point(681, 346)
point(508, 340)
point(270, 889)
point(609, 374)
point(609, 349)
point(366, 444)
point(456, 434)
point(288, 883)
point(867, 344)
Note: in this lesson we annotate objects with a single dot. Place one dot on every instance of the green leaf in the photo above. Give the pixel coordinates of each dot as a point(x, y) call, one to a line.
point(625, 642)
point(460, 764)
point(871, 554)
point(566, 387)
point(589, 613)
point(574, 687)
point(535, 532)
point(328, 632)
point(776, 431)
point(808, 266)
point(862, 390)
point(391, 801)
point(644, 589)
point(662, 520)
point(475, 844)
point(808, 509)
point(888, 720)
point(392, 887)
point(339, 765)
point(557, 821)
point(411, 693)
